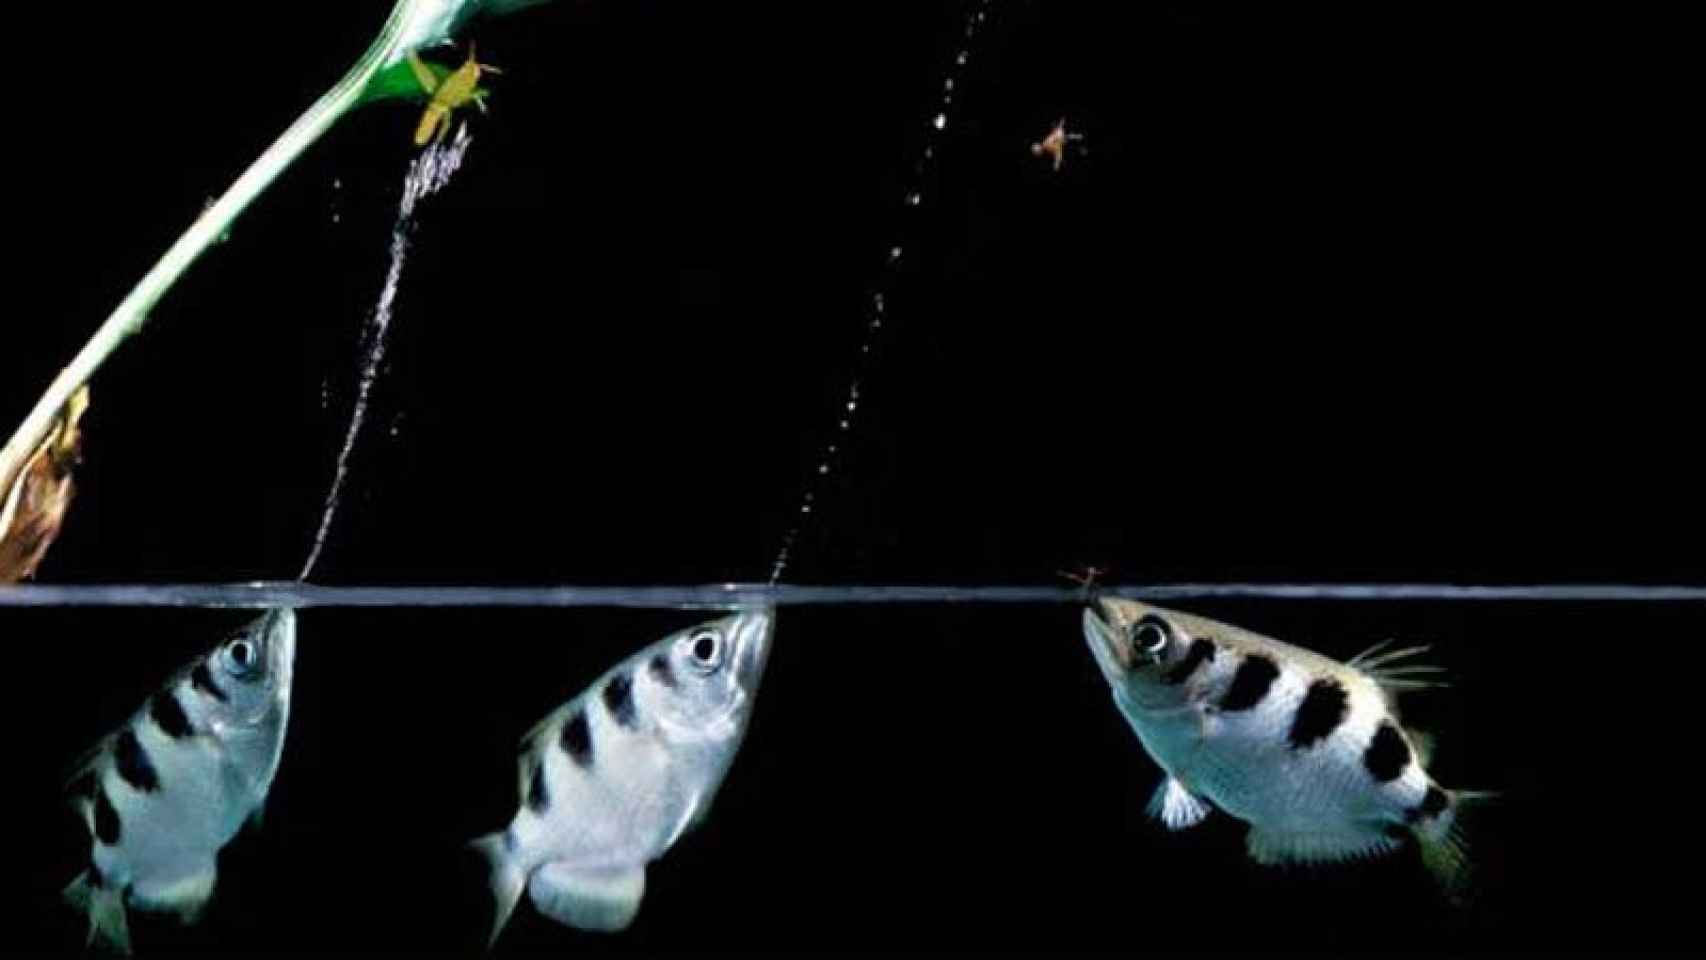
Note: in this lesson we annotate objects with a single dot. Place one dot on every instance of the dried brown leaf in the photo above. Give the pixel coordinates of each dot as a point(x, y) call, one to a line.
point(33, 511)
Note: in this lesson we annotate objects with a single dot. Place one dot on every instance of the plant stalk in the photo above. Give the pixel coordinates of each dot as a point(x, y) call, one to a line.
point(412, 24)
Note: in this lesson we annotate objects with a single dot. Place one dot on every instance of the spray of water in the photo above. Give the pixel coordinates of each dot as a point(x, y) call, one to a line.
point(912, 199)
point(428, 173)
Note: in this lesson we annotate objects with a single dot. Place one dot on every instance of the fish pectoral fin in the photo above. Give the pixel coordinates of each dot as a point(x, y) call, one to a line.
point(601, 900)
point(1176, 806)
point(104, 906)
point(1271, 846)
point(186, 895)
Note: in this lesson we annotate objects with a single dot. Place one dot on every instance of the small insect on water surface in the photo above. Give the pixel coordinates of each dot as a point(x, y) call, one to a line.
point(458, 89)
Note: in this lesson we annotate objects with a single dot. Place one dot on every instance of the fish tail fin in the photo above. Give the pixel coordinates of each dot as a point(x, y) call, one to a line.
point(507, 879)
point(104, 907)
point(1444, 842)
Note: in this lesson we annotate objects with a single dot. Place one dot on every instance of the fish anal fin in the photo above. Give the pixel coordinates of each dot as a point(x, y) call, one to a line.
point(600, 900)
point(185, 896)
point(1271, 846)
point(1444, 842)
point(104, 908)
point(1176, 806)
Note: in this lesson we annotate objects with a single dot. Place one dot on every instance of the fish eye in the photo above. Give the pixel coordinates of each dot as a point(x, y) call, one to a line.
point(705, 647)
point(1150, 637)
point(243, 654)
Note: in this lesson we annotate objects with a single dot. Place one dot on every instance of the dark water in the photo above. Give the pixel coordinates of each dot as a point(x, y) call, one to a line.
point(1326, 299)
point(923, 777)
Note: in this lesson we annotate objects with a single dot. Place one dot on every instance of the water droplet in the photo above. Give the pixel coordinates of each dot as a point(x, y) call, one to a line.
point(948, 84)
point(894, 252)
point(940, 121)
point(852, 406)
point(846, 423)
point(913, 199)
point(822, 469)
point(961, 59)
point(805, 508)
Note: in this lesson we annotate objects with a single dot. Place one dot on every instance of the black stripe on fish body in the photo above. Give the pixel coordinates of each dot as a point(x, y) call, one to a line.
point(1432, 805)
point(576, 739)
point(106, 818)
point(203, 679)
point(133, 762)
point(1255, 677)
point(169, 715)
point(97, 879)
point(664, 673)
point(1387, 754)
point(1324, 707)
point(1201, 652)
point(538, 798)
point(619, 700)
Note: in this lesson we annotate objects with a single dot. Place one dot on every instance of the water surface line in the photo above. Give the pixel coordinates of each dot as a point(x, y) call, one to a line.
point(736, 595)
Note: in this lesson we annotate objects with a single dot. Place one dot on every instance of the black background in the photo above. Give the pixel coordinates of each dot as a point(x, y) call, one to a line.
point(1331, 295)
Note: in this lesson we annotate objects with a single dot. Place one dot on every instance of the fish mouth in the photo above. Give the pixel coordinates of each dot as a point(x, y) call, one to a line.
point(277, 630)
point(752, 630)
point(1108, 642)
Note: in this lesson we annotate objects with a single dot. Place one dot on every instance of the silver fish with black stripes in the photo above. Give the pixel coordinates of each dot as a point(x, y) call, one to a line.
point(172, 786)
point(610, 780)
point(1307, 750)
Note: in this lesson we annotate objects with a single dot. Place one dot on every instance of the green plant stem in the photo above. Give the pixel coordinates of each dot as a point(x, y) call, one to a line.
point(412, 23)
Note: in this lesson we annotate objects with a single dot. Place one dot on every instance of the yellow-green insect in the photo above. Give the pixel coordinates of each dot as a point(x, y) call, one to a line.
point(458, 89)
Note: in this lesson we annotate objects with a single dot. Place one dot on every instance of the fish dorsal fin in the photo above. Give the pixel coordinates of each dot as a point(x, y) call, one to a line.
point(1385, 668)
point(1423, 742)
point(86, 762)
point(526, 762)
point(1176, 806)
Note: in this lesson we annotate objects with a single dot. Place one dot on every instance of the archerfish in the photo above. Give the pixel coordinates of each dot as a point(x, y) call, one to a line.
point(611, 779)
point(1309, 751)
point(164, 793)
